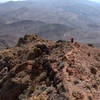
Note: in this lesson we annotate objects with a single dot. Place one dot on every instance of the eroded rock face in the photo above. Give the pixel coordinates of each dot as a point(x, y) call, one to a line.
point(27, 39)
point(38, 69)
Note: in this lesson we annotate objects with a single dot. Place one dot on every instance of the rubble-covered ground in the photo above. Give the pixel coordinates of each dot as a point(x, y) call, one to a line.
point(39, 69)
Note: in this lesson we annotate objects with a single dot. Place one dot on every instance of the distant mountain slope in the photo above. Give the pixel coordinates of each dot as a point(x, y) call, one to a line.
point(53, 19)
point(7, 41)
point(20, 28)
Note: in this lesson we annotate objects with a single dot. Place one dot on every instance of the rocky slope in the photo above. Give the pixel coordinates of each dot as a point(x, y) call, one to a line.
point(39, 69)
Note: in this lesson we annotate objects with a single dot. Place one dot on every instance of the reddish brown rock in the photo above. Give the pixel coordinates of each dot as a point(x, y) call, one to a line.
point(41, 69)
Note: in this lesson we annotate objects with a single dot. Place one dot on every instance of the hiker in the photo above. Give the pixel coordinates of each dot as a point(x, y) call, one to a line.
point(72, 40)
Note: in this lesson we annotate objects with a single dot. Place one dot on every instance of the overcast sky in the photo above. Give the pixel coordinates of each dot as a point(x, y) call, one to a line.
point(21, 0)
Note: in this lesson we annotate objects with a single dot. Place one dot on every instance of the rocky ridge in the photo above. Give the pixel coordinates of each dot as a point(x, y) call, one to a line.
point(39, 69)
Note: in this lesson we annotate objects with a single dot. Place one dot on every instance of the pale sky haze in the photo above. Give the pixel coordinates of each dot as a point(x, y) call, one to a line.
point(9, 0)
point(22, 0)
point(95, 0)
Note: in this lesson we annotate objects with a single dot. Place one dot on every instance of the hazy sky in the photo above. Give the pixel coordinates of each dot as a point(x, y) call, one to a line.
point(95, 0)
point(21, 0)
point(9, 0)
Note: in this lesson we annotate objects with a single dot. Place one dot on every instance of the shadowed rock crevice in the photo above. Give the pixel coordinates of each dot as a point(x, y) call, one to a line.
point(11, 90)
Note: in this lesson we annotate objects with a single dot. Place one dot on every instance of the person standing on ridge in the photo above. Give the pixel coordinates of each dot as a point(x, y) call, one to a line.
point(72, 40)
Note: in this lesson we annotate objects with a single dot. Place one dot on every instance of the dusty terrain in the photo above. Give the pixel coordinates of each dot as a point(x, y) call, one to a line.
point(39, 69)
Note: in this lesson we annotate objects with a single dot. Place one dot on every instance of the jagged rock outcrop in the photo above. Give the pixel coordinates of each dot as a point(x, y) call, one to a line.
point(39, 69)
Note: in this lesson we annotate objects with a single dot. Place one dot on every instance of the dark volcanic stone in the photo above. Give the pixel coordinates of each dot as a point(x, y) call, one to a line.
point(60, 41)
point(52, 60)
point(43, 48)
point(61, 65)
